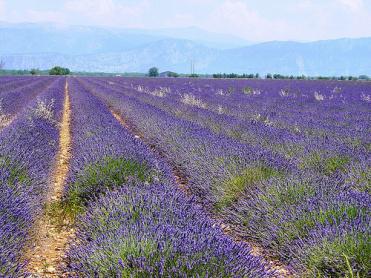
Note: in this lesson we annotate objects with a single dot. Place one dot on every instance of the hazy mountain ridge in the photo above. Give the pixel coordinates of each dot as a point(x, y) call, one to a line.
point(115, 50)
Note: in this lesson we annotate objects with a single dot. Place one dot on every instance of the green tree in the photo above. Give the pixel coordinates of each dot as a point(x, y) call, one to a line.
point(34, 71)
point(59, 71)
point(153, 72)
point(363, 77)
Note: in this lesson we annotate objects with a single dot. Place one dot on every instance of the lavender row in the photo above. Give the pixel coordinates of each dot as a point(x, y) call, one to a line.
point(214, 158)
point(8, 83)
point(319, 154)
point(131, 220)
point(292, 144)
point(285, 211)
point(244, 95)
point(27, 149)
point(315, 224)
point(12, 101)
point(154, 231)
point(97, 134)
point(304, 107)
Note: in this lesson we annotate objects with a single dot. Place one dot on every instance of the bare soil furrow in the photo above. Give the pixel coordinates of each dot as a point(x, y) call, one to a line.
point(51, 235)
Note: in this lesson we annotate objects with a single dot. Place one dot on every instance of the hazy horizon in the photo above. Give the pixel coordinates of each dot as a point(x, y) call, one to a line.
point(241, 36)
point(254, 21)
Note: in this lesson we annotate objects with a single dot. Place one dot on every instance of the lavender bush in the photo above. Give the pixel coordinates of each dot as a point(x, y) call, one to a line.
point(27, 150)
point(282, 163)
point(129, 224)
point(285, 163)
point(155, 231)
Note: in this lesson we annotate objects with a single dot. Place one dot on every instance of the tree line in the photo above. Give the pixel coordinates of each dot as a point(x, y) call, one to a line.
point(154, 72)
point(297, 77)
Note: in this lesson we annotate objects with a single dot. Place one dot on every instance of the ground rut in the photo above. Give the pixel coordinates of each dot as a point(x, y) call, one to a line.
point(51, 234)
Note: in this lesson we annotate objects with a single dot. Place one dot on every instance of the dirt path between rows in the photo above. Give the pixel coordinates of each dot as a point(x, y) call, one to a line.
point(51, 234)
point(181, 181)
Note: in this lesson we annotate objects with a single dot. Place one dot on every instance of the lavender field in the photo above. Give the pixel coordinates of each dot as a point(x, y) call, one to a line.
point(184, 177)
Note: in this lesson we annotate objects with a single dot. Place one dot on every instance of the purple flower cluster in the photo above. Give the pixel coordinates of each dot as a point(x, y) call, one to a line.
point(140, 231)
point(285, 163)
point(13, 82)
point(96, 134)
point(27, 149)
point(15, 95)
point(142, 225)
point(206, 158)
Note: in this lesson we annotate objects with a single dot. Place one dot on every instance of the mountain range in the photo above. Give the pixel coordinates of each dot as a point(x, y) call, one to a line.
point(86, 48)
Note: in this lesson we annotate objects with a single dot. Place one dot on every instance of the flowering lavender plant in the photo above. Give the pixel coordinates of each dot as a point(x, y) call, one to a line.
point(287, 168)
point(128, 224)
point(27, 150)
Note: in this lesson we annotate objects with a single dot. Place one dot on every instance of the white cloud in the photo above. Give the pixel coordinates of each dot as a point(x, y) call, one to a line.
point(182, 19)
point(235, 16)
point(2, 8)
point(354, 5)
point(45, 16)
point(253, 20)
point(107, 12)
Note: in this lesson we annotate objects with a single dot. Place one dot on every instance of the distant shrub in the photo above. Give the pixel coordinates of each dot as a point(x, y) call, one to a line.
point(34, 71)
point(366, 98)
point(4, 117)
point(153, 72)
point(318, 96)
point(59, 71)
point(247, 90)
point(235, 75)
point(161, 92)
point(192, 100)
point(363, 77)
point(284, 92)
point(43, 110)
point(220, 92)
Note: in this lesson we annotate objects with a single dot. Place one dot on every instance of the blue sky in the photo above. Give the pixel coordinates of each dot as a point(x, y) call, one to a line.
point(255, 20)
